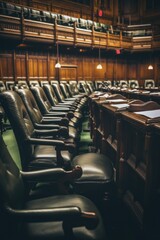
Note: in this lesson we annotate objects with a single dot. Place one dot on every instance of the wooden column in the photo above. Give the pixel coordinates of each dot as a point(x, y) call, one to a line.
point(14, 66)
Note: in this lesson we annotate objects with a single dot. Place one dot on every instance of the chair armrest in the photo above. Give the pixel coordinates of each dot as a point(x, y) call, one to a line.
point(46, 132)
point(50, 142)
point(55, 114)
point(60, 108)
point(49, 132)
point(71, 216)
point(62, 121)
point(46, 126)
point(56, 174)
point(68, 146)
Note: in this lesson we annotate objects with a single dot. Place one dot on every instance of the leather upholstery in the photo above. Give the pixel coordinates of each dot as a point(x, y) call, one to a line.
point(39, 153)
point(55, 217)
point(45, 106)
point(40, 122)
point(32, 148)
point(48, 89)
point(149, 83)
point(97, 174)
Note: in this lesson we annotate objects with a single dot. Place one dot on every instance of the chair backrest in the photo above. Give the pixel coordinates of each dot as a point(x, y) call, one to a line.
point(50, 94)
point(123, 83)
point(64, 90)
point(20, 122)
point(22, 84)
point(2, 86)
point(31, 105)
point(98, 84)
point(133, 83)
point(10, 85)
point(54, 81)
point(149, 83)
point(41, 99)
point(89, 86)
point(108, 83)
point(43, 82)
point(74, 87)
point(71, 93)
point(83, 87)
point(33, 83)
point(58, 92)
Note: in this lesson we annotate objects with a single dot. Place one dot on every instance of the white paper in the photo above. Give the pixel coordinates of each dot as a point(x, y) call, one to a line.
point(115, 100)
point(119, 106)
point(150, 114)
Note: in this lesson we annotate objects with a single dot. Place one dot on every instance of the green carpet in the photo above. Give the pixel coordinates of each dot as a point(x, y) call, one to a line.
point(11, 143)
point(85, 138)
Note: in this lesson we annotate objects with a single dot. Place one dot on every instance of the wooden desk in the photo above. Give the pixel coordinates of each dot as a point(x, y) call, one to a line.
point(133, 145)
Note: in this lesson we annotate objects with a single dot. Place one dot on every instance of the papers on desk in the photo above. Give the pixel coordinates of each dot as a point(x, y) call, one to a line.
point(153, 115)
point(155, 93)
point(120, 107)
point(145, 92)
point(115, 101)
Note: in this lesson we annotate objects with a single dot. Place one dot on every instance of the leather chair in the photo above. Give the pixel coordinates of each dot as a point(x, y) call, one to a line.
point(37, 150)
point(61, 98)
point(149, 83)
point(33, 83)
point(56, 217)
point(22, 84)
point(10, 85)
point(133, 83)
point(46, 16)
point(36, 15)
point(38, 153)
point(58, 126)
point(48, 89)
point(2, 86)
point(98, 84)
point(48, 110)
point(123, 83)
point(43, 82)
point(108, 83)
point(74, 87)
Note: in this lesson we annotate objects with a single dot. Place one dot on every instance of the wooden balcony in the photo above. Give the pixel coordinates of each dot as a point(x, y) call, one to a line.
point(26, 30)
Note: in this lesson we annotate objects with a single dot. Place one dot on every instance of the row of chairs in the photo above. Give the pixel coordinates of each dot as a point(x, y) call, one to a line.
point(83, 86)
point(148, 84)
point(64, 190)
point(49, 17)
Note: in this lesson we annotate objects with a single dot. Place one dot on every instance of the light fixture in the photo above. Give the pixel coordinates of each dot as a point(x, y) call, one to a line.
point(150, 67)
point(99, 66)
point(57, 65)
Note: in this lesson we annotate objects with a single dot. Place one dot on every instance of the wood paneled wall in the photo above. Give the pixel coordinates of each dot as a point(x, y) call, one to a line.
point(26, 65)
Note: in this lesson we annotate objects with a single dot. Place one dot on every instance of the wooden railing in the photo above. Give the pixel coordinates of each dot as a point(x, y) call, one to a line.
point(29, 30)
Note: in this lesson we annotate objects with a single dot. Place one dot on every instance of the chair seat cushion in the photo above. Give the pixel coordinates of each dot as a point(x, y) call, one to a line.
point(45, 157)
point(54, 230)
point(98, 173)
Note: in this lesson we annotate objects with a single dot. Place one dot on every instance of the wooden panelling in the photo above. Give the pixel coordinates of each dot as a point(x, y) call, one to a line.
point(20, 67)
point(110, 69)
point(28, 65)
point(132, 70)
point(52, 62)
point(87, 68)
point(38, 67)
point(68, 72)
point(6, 66)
